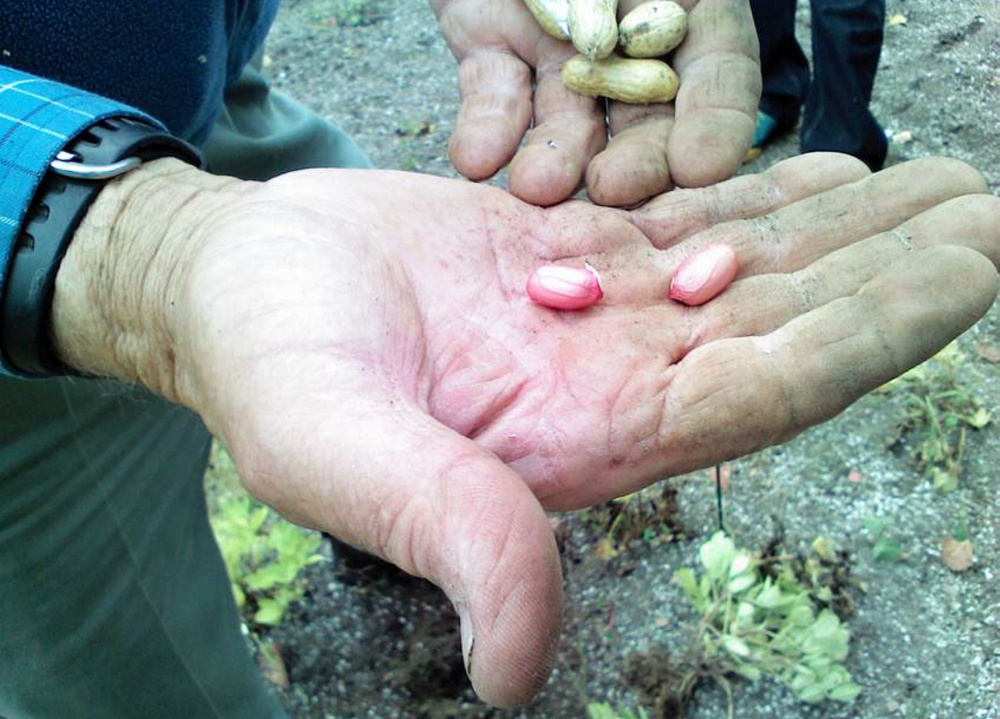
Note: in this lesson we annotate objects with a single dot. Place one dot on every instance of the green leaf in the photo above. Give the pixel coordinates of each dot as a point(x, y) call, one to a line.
point(819, 664)
point(801, 616)
point(257, 518)
point(960, 530)
point(238, 594)
point(770, 596)
point(979, 419)
point(876, 526)
point(271, 575)
point(786, 577)
point(846, 692)
point(836, 676)
point(824, 549)
point(804, 677)
point(886, 550)
point(742, 582)
point(944, 480)
point(735, 645)
point(826, 623)
point(270, 612)
point(811, 693)
point(685, 577)
point(717, 555)
point(705, 587)
point(745, 614)
point(742, 564)
point(748, 671)
point(827, 637)
point(601, 710)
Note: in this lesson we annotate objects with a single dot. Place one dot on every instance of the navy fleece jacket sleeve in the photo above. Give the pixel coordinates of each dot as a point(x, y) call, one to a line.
point(66, 64)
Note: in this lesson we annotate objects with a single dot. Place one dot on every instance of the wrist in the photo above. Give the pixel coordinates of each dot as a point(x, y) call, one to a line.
point(120, 288)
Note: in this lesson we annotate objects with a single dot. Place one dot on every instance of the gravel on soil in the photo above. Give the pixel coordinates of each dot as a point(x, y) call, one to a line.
point(925, 640)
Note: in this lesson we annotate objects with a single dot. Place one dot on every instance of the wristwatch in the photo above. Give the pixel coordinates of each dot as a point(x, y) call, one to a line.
point(104, 151)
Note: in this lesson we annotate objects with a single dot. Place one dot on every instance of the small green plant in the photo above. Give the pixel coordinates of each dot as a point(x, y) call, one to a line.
point(940, 409)
point(603, 710)
point(410, 162)
point(884, 539)
point(264, 555)
point(355, 13)
point(762, 625)
point(956, 551)
point(960, 527)
point(415, 128)
point(649, 515)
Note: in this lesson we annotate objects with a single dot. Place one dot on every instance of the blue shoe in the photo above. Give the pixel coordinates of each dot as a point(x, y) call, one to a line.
point(766, 128)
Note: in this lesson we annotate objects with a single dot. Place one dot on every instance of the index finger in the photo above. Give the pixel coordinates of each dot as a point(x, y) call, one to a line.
point(716, 106)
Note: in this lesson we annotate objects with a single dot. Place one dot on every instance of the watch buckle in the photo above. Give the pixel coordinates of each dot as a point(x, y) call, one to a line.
point(67, 164)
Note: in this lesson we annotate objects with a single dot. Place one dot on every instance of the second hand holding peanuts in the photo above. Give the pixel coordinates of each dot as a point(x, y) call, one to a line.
point(510, 81)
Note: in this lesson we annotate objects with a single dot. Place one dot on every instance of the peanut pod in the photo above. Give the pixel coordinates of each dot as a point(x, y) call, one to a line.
point(652, 29)
point(552, 16)
point(639, 82)
point(593, 26)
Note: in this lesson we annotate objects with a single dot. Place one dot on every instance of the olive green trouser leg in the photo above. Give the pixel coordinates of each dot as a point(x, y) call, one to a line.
point(114, 602)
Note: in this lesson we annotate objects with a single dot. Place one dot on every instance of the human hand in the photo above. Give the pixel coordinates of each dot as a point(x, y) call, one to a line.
point(697, 140)
point(362, 343)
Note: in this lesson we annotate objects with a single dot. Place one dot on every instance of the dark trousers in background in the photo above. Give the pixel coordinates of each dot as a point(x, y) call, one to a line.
point(846, 43)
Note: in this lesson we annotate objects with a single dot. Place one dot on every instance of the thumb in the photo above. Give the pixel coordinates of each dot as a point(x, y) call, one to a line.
point(408, 489)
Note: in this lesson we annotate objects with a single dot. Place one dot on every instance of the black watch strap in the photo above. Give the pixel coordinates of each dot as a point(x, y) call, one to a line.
point(105, 150)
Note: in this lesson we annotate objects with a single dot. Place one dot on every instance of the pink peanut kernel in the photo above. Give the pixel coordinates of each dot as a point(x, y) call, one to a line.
point(565, 288)
point(704, 275)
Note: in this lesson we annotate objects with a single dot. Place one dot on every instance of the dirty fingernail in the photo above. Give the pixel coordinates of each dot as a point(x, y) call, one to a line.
point(468, 636)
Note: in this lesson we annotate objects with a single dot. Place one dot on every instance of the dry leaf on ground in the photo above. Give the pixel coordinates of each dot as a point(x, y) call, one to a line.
point(989, 352)
point(956, 555)
point(272, 666)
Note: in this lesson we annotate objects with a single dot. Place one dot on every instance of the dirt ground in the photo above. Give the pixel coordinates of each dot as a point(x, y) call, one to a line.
point(925, 640)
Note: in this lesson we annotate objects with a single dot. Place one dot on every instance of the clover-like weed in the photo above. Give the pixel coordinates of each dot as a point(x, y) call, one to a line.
point(755, 626)
point(264, 556)
point(761, 624)
point(603, 710)
point(941, 407)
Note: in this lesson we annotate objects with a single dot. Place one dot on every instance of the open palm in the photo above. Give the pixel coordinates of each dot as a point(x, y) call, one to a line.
point(363, 343)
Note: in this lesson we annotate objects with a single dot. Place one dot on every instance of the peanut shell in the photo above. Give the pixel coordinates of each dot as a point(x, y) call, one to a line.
point(552, 16)
point(653, 29)
point(593, 27)
point(640, 82)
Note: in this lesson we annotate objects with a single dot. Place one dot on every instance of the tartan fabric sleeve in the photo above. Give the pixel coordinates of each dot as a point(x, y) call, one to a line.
point(38, 117)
